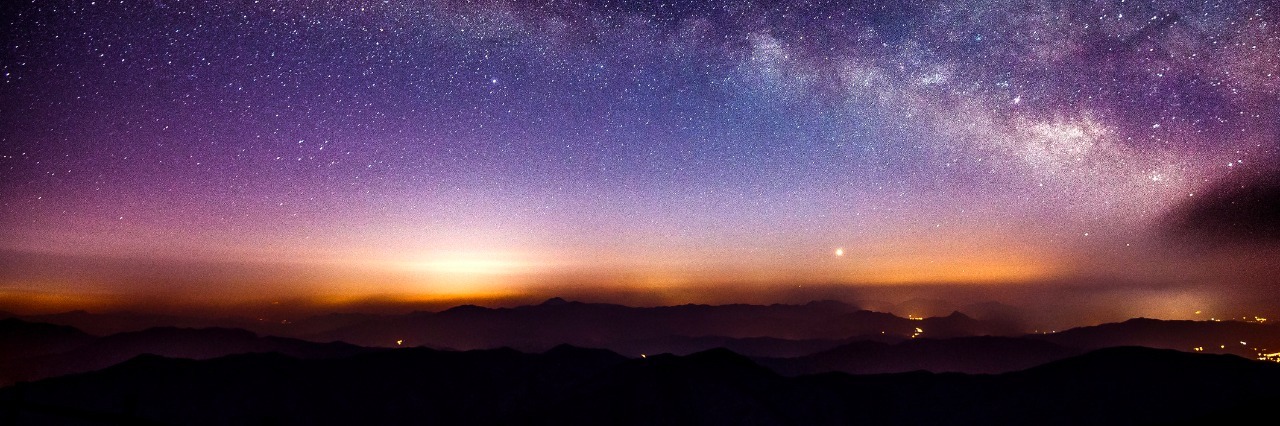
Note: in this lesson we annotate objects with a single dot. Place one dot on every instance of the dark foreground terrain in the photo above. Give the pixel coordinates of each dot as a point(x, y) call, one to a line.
point(819, 363)
point(569, 385)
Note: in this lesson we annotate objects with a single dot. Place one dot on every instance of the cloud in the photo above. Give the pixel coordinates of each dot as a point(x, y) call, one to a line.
point(1241, 209)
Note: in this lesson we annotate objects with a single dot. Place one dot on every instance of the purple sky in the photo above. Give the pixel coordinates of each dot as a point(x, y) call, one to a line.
point(239, 151)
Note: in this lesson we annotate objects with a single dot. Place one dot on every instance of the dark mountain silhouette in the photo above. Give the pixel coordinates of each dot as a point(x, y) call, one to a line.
point(711, 387)
point(300, 327)
point(975, 355)
point(775, 331)
point(988, 354)
point(630, 330)
point(122, 322)
point(998, 314)
point(750, 346)
point(1154, 383)
point(569, 385)
point(678, 329)
point(793, 339)
point(413, 385)
point(119, 322)
point(96, 353)
point(20, 339)
point(1211, 336)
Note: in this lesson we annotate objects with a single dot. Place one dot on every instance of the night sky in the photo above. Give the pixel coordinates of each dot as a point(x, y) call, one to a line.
point(219, 152)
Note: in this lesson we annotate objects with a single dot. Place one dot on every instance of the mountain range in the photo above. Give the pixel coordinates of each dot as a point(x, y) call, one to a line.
point(791, 339)
point(569, 385)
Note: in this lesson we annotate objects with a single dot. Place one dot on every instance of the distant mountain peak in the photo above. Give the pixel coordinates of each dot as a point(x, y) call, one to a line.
point(1149, 321)
point(555, 301)
point(466, 308)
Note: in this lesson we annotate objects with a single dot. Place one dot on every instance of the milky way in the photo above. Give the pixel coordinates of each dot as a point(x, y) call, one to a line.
point(362, 148)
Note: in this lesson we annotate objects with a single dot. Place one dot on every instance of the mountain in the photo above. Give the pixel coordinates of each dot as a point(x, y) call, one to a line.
point(1156, 385)
point(91, 353)
point(974, 355)
point(1244, 339)
point(992, 354)
point(631, 330)
point(111, 323)
point(749, 346)
point(121, 322)
point(569, 385)
point(412, 385)
point(711, 387)
point(20, 339)
point(777, 330)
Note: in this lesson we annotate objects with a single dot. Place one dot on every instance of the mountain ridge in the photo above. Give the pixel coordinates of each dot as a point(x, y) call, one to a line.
point(570, 385)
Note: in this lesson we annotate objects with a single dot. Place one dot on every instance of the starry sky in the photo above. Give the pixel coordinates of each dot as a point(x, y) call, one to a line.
point(240, 151)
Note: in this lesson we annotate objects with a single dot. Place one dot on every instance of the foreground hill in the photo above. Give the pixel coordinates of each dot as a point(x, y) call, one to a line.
point(975, 355)
point(580, 386)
